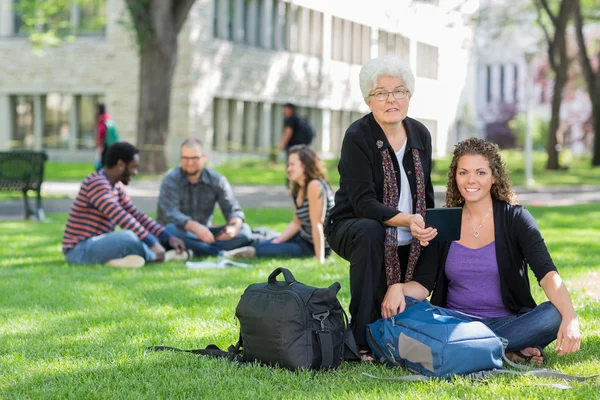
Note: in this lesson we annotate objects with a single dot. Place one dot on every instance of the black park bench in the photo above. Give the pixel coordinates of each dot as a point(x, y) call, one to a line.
point(21, 171)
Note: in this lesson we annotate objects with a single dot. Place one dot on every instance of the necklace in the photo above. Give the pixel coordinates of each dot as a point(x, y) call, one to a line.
point(476, 231)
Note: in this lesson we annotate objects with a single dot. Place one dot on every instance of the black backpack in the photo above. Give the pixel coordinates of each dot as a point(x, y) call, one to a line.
point(290, 325)
point(307, 133)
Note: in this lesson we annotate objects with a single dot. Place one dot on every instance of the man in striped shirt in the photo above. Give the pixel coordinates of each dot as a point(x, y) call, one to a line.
point(102, 204)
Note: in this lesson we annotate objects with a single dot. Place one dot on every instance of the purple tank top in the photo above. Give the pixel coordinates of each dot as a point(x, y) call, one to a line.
point(474, 281)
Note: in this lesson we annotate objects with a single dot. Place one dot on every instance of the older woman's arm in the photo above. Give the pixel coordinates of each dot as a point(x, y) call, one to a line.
point(356, 176)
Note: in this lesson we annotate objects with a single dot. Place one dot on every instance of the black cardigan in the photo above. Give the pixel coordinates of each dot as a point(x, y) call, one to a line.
point(518, 242)
point(361, 170)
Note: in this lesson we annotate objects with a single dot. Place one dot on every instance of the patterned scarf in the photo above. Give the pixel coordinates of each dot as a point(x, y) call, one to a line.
point(390, 199)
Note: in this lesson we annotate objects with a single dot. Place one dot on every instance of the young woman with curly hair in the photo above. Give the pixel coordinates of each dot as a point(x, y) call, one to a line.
point(313, 199)
point(483, 276)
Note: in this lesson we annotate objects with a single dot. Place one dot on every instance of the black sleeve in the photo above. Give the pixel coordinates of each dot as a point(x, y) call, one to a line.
point(428, 266)
point(291, 122)
point(356, 174)
point(429, 194)
point(531, 243)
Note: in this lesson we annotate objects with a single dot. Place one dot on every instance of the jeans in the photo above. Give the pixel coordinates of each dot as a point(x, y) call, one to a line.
point(296, 247)
point(200, 248)
point(537, 327)
point(102, 248)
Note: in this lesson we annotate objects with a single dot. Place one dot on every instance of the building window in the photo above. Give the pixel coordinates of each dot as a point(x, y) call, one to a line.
point(87, 118)
point(23, 134)
point(279, 24)
point(315, 33)
point(427, 61)
point(488, 84)
point(82, 19)
point(57, 116)
point(516, 84)
point(502, 83)
point(394, 44)
point(350, 41)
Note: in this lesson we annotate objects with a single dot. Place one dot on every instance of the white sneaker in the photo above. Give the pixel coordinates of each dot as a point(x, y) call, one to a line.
point(130, 261)
point(242, 252)
point(172, 255)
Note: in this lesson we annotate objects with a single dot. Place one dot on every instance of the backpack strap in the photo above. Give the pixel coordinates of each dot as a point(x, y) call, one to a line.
point(233, 352)
point(351, 352)
point(529, 371)
point(325, 340)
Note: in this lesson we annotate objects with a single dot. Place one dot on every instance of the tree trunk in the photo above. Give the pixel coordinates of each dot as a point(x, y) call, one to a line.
point(157, 66)
point(553, 162)
point(157, 24)
point(592, 79)
point(596, 127)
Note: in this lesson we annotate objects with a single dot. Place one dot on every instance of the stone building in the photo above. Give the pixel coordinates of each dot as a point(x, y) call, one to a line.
point(239, 62)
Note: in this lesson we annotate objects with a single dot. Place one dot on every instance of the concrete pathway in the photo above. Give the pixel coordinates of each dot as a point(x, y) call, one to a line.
point(144, 194)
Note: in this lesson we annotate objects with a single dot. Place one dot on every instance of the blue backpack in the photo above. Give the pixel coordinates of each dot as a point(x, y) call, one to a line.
point(434, 345)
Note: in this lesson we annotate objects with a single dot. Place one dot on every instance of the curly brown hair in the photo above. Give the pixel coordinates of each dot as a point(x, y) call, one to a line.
point(313, 167)
point(501, 189)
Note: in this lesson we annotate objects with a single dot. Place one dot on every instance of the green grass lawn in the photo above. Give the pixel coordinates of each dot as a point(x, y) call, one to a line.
point(260, 171)
point(80, 331)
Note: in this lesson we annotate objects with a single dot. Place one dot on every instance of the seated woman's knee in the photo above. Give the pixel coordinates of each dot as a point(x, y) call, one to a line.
point(370, 231)
point(551, 318)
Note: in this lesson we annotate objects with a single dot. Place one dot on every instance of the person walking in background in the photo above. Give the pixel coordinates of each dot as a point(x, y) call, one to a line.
point(313, 199)
point(187, 199)
point(106, 135)
point(100, 205)
point(377, 222)
point(296, 130)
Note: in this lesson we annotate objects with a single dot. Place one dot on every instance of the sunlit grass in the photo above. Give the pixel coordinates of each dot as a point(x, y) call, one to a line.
point(80, 332)
point(263, 172)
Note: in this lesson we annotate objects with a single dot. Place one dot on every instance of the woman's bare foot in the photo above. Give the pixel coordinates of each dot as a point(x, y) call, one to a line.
point(533, 355)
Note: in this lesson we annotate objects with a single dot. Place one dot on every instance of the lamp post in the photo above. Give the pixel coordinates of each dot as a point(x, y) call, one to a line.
point(529, 181)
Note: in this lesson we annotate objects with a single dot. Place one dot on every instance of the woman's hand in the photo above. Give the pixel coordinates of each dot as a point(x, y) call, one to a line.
point(393, 301)
point(568, 339)
point(418, 230)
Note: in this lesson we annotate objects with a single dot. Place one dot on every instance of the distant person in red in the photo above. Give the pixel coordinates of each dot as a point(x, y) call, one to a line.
point(106, 135)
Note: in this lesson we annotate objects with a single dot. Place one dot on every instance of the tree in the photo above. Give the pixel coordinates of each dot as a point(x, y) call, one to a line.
point(156, 24)
point(592, 78)
point(554, 26)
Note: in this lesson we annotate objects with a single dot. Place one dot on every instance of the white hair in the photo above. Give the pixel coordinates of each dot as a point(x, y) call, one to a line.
point(385, 66)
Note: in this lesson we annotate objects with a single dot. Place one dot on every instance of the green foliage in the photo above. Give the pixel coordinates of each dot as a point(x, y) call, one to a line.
point(539, 131)
point(49, 22)
point(81, 331)
point(264, 172)
point(139, 22)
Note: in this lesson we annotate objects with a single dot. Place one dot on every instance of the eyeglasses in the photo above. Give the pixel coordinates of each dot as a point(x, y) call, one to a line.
point(196, 158)
point(382, 95)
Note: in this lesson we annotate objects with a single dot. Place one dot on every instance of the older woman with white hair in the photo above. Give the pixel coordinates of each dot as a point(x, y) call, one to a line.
point(385, 187)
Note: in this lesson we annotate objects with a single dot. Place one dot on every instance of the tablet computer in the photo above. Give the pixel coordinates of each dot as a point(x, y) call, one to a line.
point(446, 220)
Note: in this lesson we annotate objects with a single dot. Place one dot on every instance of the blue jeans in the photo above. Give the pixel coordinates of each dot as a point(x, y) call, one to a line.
point(537, 327)
point(102, 248)
point(200, 248)
point(296, 247)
